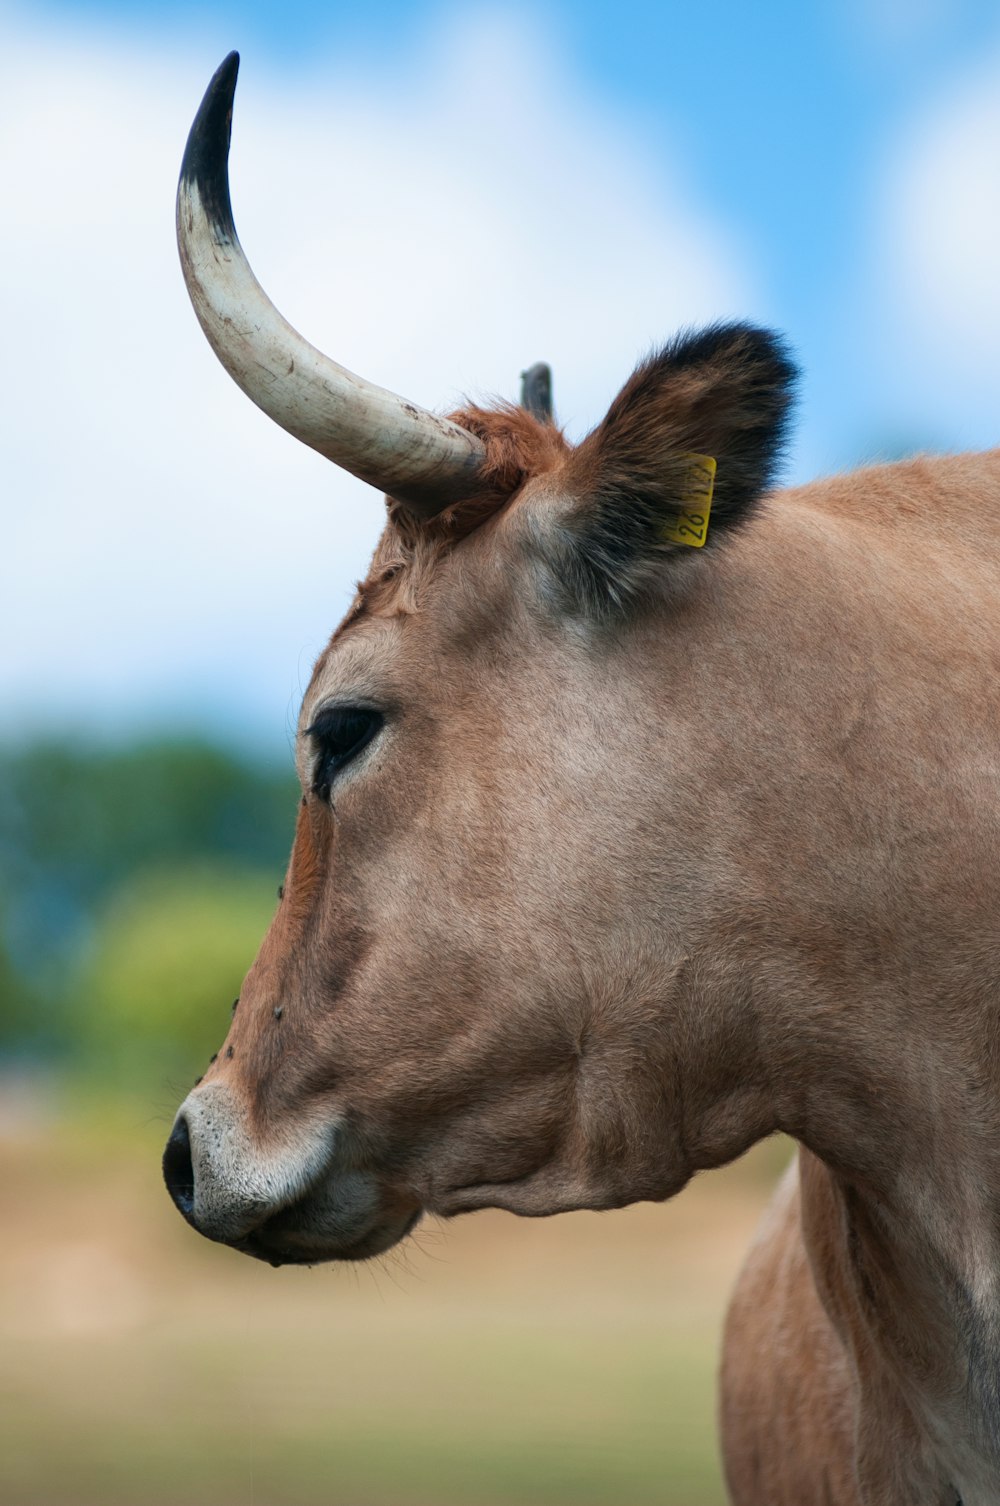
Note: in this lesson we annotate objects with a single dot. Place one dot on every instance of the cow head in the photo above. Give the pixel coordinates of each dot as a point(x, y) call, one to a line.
point(492, 978)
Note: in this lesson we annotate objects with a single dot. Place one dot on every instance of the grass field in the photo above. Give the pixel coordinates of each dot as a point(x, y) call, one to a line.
point(559, 1362)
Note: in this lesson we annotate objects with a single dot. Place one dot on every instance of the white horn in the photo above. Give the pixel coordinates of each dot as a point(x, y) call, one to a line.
point(421, 460)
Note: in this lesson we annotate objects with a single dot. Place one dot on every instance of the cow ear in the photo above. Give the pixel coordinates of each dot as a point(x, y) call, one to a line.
point(687, 449)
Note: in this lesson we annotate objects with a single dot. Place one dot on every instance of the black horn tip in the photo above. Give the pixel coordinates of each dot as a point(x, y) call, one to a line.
point(536, 390)
point(206, 155)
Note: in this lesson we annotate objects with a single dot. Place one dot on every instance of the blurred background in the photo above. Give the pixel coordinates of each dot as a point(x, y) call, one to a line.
point(438, 195)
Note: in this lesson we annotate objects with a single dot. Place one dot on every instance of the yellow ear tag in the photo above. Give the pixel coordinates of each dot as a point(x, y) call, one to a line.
point(689, 525)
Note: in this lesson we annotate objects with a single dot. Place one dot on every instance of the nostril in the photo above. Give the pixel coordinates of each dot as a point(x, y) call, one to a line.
point(178, 1169)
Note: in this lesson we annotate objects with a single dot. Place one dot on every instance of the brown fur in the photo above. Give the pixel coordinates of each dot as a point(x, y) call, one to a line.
point(518, 446)
point(623, 886)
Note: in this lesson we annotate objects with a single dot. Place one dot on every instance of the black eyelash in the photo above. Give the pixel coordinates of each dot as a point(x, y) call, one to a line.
point(339, 733)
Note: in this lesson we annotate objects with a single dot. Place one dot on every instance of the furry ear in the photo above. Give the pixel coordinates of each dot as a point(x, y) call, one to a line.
point(724, 393)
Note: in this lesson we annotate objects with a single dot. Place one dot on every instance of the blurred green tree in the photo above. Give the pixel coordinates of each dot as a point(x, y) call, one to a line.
point(167, 959)
point(78, 823)
point(19, 1009)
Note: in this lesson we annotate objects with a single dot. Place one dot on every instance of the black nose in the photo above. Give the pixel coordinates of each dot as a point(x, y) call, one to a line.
point(178, 1171)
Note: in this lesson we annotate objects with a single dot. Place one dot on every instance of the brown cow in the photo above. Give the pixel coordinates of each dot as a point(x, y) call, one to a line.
point(616, 855)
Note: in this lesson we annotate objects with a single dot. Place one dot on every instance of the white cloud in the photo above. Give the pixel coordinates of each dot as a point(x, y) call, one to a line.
point(936, 274)
point(888, 25)
point(165, 546)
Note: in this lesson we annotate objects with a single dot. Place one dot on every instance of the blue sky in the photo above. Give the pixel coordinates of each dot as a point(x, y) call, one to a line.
point(782, 114)
point(579, 179)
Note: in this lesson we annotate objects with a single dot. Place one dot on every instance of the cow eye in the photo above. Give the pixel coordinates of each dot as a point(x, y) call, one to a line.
point(339, 733)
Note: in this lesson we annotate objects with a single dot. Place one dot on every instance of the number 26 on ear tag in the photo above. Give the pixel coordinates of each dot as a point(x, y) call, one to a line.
point(689, 525)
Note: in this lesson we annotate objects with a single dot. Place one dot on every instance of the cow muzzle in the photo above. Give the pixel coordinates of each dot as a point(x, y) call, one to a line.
point(302, 1201)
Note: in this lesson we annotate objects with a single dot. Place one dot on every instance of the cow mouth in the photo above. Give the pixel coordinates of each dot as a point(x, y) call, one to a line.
point(280, 1242)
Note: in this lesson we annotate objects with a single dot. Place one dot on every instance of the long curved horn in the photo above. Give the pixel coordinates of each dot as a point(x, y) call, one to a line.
point(421, 460)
